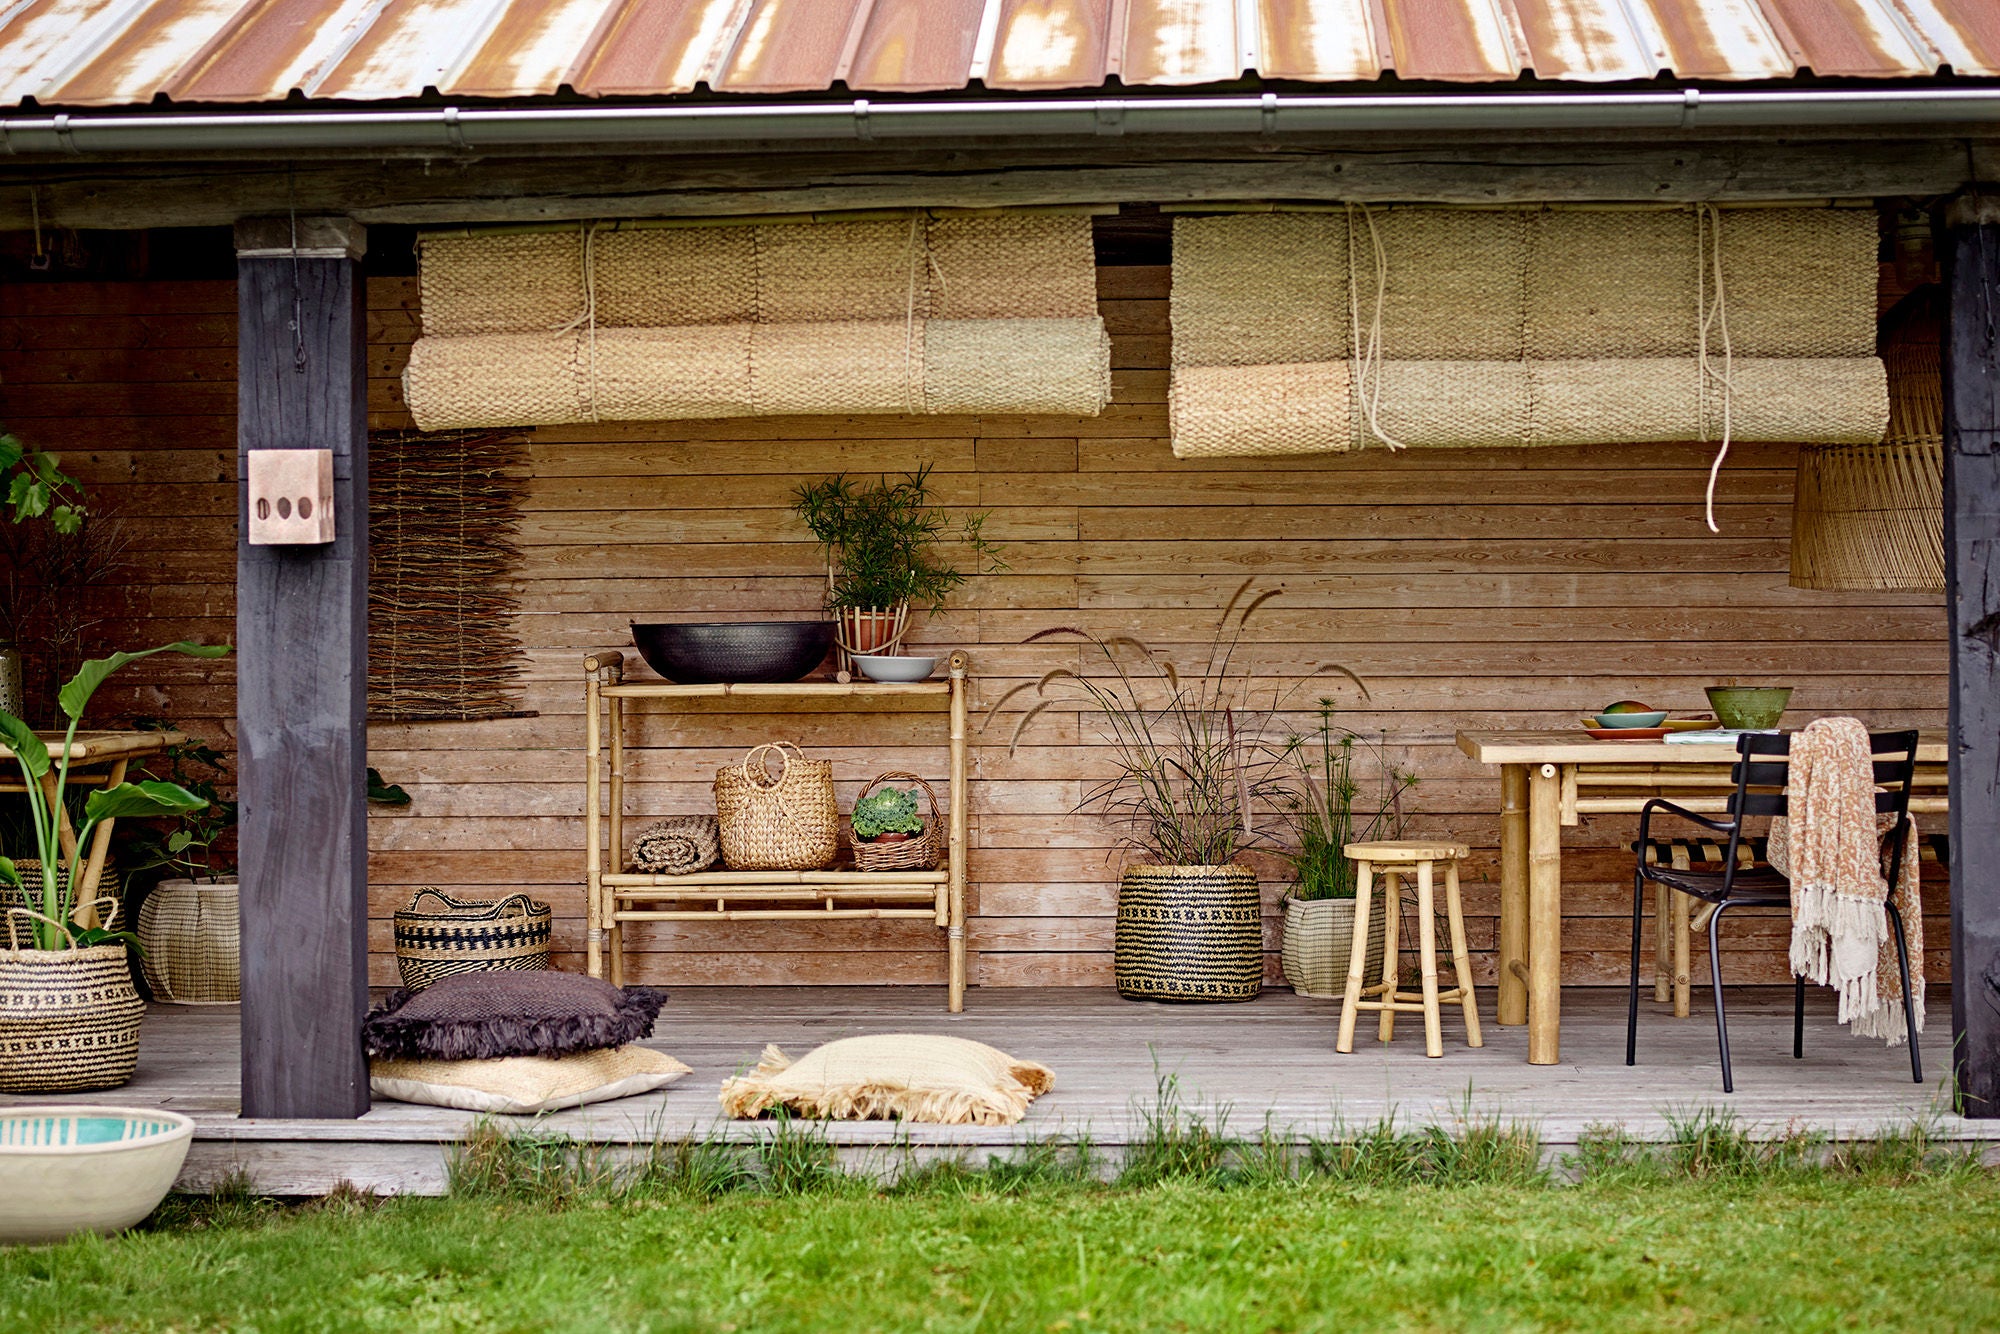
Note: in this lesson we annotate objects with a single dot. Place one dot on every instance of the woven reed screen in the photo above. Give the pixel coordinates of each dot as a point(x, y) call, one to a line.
point(442, 603)
point(989, 313)
point(1451, 328)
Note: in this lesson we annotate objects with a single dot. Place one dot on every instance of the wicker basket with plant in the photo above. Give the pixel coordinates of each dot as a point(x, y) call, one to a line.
point(890, 834)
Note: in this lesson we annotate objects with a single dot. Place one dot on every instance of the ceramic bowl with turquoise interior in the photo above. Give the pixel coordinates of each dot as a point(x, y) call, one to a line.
point(78, 1168)
point(1624, 720)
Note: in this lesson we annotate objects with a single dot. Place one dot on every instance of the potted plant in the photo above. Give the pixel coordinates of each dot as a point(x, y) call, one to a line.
point(890, 832)
point(69, 1015)
point(36, 489)
point(189, 923)
point(885, 547)
point(1327, 810)
point(1193, 770)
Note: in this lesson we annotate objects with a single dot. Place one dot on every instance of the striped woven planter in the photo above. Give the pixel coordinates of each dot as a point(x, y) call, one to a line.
point(69, 1020)
point(1318, 945)
point(1189, 933)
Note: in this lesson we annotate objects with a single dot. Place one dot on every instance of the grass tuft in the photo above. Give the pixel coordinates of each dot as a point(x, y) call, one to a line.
point(496, 1162)
point(1177, 1144)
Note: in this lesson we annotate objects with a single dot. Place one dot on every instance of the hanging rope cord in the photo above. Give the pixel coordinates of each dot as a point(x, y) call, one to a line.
point(1708, 256)
point(1367, 354)
point(587, 318)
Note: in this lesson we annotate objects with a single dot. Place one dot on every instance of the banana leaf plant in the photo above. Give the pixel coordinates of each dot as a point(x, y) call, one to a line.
point(52, 928)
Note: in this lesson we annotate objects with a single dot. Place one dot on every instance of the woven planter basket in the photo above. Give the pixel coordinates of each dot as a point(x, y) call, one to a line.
point(784, 823)
point(439, 936)
point(190, 937)
point(917, 853)
point(1189, 933)
point(1318, 946)
point(69, 1019)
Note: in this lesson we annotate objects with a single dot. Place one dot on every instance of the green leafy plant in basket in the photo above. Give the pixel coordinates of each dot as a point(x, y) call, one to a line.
point(1333, 805)
point(887, 811)
point(52, 929)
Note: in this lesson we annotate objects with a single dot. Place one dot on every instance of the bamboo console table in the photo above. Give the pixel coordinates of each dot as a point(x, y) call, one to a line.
point(113, 752)
point(615, 896)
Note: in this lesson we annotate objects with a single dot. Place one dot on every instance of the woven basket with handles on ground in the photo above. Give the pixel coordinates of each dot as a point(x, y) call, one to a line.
point(783, 823)
point(69, 1019)
point(919, 852)
point(439, 936)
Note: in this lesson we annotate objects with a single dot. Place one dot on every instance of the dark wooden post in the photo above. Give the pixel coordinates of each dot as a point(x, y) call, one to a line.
point(302, 676)
point(1972, 563)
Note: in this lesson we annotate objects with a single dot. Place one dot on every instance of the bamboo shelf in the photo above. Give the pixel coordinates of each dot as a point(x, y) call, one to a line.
point(616, 897)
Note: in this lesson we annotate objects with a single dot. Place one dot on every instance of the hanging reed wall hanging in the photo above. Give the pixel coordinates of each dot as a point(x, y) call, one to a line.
point(442, 600)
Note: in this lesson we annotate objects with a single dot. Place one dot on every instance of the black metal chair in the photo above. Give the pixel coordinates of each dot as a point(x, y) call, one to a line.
point(1759, 776)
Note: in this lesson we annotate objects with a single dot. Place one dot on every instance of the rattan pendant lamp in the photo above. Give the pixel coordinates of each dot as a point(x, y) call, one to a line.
point(1871, 517)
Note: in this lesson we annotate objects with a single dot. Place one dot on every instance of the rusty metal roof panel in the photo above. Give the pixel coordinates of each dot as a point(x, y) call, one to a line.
point(125, 52)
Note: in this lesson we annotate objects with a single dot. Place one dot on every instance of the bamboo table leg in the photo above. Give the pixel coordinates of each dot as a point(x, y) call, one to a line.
point(614, 931)
point(1544, 915)
point(1357, 957)
point(1662, 943)
point(956, 848)
point(1511, 986)
point(100, 848)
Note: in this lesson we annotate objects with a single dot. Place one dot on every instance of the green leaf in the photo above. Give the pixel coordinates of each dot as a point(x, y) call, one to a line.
point(383, 793)
point(97, 935)
point(10, 873)
point(45, 467)
point(10, 450)
point(67, 519)
point(28, 497)
point(147, 797)
point(76, 693)
point(178, 840)
point(28, 748)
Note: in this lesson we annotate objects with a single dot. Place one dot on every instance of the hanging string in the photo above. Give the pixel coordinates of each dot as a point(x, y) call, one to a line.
point(1368, 355)
point(913, 375)
point(298, 297)
point(1708, 253)
point(40, 262)
point(587, 319)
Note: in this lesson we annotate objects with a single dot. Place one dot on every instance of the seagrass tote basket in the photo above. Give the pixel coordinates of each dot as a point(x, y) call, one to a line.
point(786, 822)
point(439, 936)
point(69, 1019)
point(917, 853)
point(1189, 933)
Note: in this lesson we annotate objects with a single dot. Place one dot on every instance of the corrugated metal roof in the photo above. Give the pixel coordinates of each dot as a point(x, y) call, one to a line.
point(126, 52)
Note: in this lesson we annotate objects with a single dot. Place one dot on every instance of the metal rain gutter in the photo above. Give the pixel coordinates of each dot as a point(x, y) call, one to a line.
point(455, 129)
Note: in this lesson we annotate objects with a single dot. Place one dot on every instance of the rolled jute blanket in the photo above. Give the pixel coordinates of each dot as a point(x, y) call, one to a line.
point(679, 845)
point(1246, 411)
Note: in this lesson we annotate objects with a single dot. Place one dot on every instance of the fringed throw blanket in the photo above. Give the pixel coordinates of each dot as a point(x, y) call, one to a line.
point(892, 1077)
point(1831, 851)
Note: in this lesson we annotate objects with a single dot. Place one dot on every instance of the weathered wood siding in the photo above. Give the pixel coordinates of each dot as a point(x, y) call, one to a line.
point(1502, 588)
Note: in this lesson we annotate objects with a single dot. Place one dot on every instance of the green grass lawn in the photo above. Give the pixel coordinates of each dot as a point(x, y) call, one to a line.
point(1787, 1250)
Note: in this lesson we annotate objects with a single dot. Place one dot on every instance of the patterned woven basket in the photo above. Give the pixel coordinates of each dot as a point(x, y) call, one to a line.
point(918, 853)
point(458, 936)
point(1189, 933)
point(69, 1019)
point(786, 823)
point(191, 936)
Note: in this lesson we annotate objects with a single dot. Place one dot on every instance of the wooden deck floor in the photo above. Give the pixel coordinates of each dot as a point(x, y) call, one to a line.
point(1273, 1057)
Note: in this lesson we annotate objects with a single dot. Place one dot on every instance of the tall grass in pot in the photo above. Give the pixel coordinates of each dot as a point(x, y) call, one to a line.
point(1347, 791)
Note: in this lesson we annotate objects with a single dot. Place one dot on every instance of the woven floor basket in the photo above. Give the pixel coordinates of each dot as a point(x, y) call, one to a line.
point(1318, 944)
point(783, 823)
point(1189, 933)
point(191, 941)
point(439, 936)
point(69, 1020)
point(918, 853)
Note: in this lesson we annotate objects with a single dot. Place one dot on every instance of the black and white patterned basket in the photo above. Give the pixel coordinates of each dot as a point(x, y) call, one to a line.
point(451, 936)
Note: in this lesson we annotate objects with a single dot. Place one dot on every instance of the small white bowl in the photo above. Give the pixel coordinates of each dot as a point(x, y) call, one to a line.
point(80, 1168)
point(890, 667)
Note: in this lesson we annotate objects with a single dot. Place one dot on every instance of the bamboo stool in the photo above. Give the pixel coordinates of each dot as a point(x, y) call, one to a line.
point(1422, 854)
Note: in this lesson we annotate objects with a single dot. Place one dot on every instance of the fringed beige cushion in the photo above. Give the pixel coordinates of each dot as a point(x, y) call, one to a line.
point(525, 1085)
point(894, 1076)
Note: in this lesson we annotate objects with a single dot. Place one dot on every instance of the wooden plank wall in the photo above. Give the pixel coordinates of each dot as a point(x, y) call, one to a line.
point(1477, 588)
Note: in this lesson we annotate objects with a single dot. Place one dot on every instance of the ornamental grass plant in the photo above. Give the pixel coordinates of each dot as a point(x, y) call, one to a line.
point(1347, 791)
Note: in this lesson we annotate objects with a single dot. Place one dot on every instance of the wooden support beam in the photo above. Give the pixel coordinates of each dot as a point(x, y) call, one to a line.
point(302, 678)
point(1972, 558)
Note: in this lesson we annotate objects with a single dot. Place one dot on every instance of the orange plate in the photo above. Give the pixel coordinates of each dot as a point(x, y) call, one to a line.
point(1627, 733)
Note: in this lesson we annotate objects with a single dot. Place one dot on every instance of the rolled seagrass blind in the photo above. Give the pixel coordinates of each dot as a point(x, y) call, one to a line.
point(442, 603)
point(1448, 328)
point(917, 313)
point(1871, 517)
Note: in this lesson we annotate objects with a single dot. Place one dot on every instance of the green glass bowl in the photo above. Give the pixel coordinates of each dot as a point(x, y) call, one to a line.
point(1747, 707)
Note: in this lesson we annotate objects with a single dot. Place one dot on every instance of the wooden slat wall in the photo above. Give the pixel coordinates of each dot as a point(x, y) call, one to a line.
point(1501, 588)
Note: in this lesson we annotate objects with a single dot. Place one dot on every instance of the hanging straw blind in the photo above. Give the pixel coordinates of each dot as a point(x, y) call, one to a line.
point(1871, 517)
point(1457, 328)
point(916, 314)
point(442, 603)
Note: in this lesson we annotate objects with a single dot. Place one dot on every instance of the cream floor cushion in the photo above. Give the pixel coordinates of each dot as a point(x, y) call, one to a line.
point(892, 1076)
point(525, 1085)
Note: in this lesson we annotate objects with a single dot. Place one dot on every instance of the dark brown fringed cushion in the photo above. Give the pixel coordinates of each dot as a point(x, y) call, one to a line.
point(484, 1016)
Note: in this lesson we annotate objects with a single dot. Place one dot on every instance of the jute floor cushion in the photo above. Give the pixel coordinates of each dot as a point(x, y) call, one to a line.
point(893, 1076)
point(485, 1016)
point(525, 1085)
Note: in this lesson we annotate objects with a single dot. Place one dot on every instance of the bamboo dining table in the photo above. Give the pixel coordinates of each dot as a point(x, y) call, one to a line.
point(1549, 779)
point(97, 759)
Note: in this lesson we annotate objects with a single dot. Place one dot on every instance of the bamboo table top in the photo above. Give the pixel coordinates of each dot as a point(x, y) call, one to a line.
point(103, 747)
point(1572, 746)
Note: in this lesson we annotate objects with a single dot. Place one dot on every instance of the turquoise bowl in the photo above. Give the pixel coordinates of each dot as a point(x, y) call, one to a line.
point(1621, 721)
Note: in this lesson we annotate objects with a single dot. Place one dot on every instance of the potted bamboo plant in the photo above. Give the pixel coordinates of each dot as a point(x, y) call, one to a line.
point(886, 545)
point(1330, 806)
point(1195, 782)
point(69, 1015)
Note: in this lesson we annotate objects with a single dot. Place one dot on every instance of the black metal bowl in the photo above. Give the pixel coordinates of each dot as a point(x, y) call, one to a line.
point(734, 651)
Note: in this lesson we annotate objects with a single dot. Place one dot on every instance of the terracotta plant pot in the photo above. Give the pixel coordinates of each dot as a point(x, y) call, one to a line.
point(1318, 944)
point(1189, 933)
point(867, 631)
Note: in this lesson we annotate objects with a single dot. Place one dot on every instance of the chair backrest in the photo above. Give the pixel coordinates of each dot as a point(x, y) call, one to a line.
point(1763, 767)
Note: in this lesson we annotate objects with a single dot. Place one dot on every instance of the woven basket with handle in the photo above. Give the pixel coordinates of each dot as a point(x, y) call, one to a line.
point(69, 1019)
point(439, 936)
point(787, 822)
point(919, 852)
